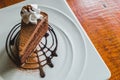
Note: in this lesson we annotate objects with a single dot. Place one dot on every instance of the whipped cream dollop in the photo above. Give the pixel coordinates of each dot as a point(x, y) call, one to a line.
point(31, 13)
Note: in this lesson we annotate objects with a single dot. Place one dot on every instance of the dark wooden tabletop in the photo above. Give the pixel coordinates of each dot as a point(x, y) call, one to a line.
point(101, 21)
point(4, 3)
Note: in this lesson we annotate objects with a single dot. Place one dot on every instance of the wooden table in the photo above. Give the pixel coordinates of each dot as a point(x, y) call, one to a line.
point(101, 21)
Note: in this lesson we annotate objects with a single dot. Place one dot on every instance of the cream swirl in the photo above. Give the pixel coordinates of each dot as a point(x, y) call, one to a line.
point(31, 13)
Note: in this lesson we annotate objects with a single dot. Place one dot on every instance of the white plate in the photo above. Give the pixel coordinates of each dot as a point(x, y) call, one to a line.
point(71, 56)
point(92, 63)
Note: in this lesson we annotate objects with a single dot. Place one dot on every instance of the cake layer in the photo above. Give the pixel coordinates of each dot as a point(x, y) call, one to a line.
point(30, 36)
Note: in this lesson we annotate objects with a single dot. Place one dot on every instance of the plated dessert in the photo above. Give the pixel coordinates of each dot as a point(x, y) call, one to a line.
point(34, 26)
point(27, 44)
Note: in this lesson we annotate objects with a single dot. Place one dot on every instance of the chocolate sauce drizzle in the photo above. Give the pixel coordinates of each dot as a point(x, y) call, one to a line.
point(12, 50)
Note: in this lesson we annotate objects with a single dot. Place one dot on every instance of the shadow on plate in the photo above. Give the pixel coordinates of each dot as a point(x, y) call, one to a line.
point(6, 65)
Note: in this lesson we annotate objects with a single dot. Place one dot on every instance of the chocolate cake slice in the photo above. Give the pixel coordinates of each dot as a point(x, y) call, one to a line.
point(34, 25)
point(32, 43)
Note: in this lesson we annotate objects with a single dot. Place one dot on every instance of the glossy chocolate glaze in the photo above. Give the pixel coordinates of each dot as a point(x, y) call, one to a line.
point(34, 61)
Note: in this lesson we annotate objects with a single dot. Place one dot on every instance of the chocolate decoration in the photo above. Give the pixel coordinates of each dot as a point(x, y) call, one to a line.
point(34, 60)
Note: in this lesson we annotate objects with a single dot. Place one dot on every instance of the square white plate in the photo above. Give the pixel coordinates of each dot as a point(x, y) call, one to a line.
point(82, 62)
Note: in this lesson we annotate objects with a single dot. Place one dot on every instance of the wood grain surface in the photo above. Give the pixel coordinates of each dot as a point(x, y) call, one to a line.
point(101, 21)
point(4, 3)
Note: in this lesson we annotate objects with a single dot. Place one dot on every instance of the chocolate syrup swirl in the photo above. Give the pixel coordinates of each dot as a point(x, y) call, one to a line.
point(41, 56)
